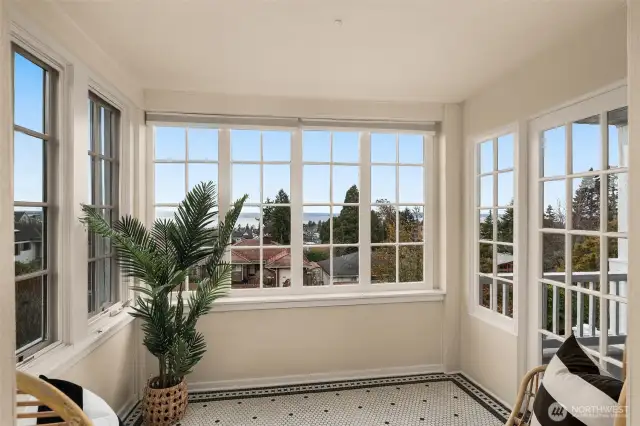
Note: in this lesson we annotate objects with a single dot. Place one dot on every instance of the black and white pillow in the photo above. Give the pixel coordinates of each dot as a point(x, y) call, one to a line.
point(575, 391)
point(93, 406)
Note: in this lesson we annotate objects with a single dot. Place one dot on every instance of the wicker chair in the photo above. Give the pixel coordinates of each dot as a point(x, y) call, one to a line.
point(33, 393)
point(521, 413)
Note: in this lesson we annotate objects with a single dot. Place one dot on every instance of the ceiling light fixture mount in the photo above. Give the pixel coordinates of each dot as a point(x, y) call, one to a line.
point(338, 22)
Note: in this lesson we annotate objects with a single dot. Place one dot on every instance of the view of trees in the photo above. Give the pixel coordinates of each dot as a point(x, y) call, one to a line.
point(585, 252)
point(277, 219)
point(277, 224)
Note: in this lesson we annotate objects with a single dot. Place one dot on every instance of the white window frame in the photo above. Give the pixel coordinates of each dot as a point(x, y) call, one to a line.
point(597, 103)
point(114, 133)
point(50, 136)
point(492, 316)
point(75, 336)
point(297, 290)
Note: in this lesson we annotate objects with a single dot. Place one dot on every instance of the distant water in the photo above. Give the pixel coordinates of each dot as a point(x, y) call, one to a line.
point(251, 218)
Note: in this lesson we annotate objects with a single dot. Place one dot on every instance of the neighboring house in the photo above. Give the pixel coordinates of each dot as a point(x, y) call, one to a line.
point(27, 231)
point(240, 234)
point(276, 261)
point(505, 262)
point(346, 269)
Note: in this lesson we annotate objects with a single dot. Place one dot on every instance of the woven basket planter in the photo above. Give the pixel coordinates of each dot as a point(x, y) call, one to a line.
point(163, 407)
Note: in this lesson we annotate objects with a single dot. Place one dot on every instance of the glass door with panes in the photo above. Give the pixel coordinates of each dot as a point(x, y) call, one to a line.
point(578, 229)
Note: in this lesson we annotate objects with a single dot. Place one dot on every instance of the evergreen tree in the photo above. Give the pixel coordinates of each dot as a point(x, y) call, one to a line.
point(277, 219)
point(549, 219)
point(505, 226)
point(345, 226)
point(486, 228)
point(586, 204)
point(324, 231)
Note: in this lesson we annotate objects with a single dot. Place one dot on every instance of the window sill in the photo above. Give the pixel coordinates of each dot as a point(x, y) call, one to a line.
point(324, 300)
point(59, 357)
point(494, 319)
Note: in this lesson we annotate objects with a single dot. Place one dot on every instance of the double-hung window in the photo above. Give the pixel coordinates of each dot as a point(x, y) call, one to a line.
point(34, 149)
point(104, 130)
point(329, 209)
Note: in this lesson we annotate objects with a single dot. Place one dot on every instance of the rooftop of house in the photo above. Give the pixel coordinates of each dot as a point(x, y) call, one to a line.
point(27, 231)
point(347, 265)
point(274, 255)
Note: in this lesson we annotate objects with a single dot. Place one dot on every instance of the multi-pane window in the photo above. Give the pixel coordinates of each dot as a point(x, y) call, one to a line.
point(331, 212)
point(494, 224)
point(397, 205)
point(184, 157)
point(34, 151)
point(323, 204)
point(261, 246)
point(583, 224)
point(103, 279)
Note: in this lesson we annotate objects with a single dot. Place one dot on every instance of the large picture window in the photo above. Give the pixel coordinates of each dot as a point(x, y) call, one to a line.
point(325, 204)
point(34, 149)
point(494, 222)
point(104, 130)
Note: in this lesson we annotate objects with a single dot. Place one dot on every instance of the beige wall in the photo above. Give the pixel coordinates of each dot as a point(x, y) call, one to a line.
point(591, 60)
point(109, 371)
point(260, 346)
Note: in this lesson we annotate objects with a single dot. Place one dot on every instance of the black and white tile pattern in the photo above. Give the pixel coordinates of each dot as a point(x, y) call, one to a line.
point(430, 399)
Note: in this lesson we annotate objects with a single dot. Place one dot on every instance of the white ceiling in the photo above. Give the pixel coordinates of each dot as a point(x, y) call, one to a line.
point(420, 50)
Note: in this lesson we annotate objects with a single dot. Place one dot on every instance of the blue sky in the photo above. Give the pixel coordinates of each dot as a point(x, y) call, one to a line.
point(585, 156)
point(28, 112)
point(318, 152)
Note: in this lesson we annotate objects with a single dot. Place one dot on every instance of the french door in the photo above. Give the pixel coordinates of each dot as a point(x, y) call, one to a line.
point(578, 222)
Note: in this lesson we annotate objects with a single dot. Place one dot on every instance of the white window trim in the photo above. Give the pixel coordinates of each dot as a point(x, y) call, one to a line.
point(606, 99)
point(263, 295)
point(75, 333)
point(494, 318)
point(56, 163)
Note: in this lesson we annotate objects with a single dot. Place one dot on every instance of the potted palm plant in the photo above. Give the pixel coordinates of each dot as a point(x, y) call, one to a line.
point(161, 260)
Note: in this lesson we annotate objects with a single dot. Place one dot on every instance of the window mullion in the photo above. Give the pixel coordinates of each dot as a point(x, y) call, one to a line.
point(224, 173)
point(364, 233)
point(494, 212)
point(568, 243)
point(297, 267)
point(604, 246)
point(429, 212)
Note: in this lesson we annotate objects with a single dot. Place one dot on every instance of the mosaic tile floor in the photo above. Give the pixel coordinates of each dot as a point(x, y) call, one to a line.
point(431, 399)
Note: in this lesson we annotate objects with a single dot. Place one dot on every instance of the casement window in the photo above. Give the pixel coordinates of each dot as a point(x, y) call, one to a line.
point(494, 225)
point(103, 183)
point(34, 149)
point(329, 209)
point(580, 226)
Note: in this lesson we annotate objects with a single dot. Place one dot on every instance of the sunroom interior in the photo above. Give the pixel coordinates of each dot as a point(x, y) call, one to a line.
point(435, 189)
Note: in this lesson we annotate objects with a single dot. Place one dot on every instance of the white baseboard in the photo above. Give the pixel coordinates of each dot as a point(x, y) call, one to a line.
point(485, 390)
point(314, 378)
point(127, 407)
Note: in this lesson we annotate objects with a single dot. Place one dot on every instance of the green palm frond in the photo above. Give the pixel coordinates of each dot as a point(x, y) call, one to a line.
point(194, 224)
point(160, 259)
point(135, 260)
